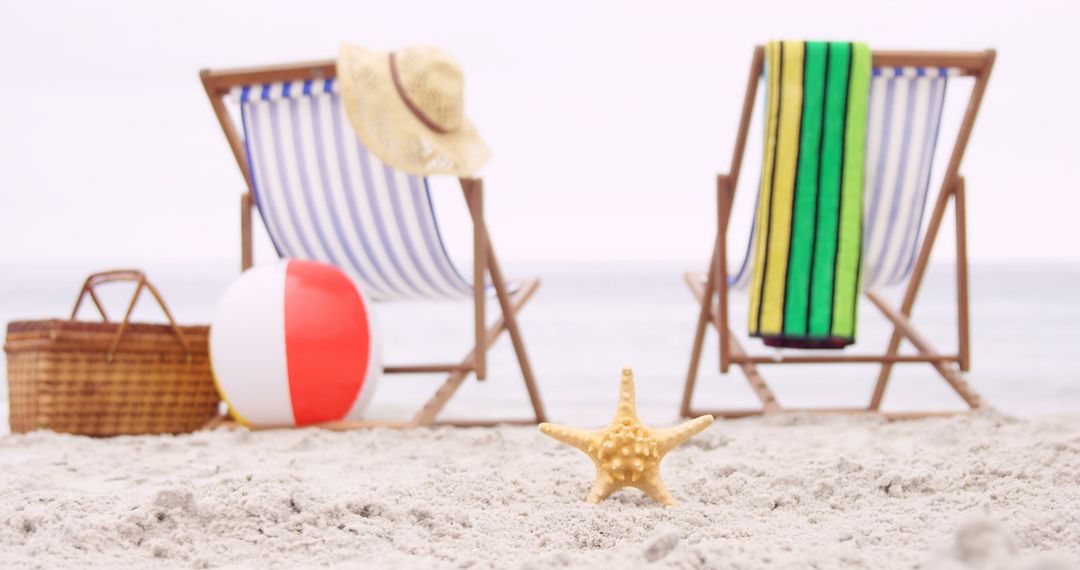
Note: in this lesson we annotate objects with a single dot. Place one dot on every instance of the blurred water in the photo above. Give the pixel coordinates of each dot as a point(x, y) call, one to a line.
point(589, 320)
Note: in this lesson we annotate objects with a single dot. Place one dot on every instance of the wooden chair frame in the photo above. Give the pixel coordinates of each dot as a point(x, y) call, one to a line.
point(971, 64)
point(218, 83)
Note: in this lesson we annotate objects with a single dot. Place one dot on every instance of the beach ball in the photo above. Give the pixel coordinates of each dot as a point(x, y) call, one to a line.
point(292, 343)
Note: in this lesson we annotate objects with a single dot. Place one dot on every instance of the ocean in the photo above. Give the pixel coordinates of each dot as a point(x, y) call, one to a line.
point(589, 320)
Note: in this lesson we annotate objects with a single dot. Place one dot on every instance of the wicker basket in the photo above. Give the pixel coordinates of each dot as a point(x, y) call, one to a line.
point(106, 378)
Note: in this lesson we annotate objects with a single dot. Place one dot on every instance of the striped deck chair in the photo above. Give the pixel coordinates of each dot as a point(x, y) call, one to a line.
point(907, 93)
point(322, 196)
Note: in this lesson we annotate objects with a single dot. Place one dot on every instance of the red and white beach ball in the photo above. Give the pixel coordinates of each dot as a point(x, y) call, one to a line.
point(292, 343)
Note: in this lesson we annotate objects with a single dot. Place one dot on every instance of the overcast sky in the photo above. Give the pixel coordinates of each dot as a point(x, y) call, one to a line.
point(608, 120)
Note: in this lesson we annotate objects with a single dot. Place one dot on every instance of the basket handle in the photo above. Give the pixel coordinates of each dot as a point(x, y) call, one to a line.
point(142, 283)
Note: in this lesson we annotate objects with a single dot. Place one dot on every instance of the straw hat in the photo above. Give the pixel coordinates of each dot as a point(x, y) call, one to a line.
point(408, 109)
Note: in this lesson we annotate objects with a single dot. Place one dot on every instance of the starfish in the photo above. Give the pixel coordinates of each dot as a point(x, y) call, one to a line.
point(627, 453)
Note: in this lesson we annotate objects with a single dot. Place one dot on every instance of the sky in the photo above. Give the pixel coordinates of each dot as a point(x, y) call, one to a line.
point(608, 120)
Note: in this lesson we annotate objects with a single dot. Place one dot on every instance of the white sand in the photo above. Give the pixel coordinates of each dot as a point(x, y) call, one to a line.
point(795, 492)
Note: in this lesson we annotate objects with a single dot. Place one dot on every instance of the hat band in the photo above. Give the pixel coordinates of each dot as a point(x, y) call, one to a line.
point(409, 102)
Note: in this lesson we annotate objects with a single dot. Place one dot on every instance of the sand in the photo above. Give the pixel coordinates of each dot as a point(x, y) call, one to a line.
point(983, 491)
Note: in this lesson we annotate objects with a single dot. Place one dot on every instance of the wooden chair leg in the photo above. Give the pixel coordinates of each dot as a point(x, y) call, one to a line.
point(474, 198)
point(753, 377)
point(963, 318)
point(246, 251)
point(883, 375)
point(427, 414)
point(699, 336)
point(695, 361)
point(510, 316)
point(769, 404)
point(947, 371)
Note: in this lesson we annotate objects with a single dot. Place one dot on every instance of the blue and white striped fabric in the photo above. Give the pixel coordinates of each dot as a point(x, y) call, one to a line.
point(902, 131)
point(325, 197)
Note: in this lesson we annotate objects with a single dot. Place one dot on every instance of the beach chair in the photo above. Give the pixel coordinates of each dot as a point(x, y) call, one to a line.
point(907, 94)
point(322, 196)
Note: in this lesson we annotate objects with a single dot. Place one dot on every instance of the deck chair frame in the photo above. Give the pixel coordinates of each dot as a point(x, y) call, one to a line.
point(218, 83)
point(949, 366)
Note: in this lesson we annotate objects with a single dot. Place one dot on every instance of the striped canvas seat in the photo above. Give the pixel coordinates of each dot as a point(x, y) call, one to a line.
point(324, 197)
point(905, 110)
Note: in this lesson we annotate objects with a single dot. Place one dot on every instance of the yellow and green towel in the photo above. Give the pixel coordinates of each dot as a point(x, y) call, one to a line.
point(806, 261)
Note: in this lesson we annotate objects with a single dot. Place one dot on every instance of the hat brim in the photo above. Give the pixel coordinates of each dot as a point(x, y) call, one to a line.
point(391, 131)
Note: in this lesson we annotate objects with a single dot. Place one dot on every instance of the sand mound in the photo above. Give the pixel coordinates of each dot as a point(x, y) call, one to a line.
point(983, 492)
